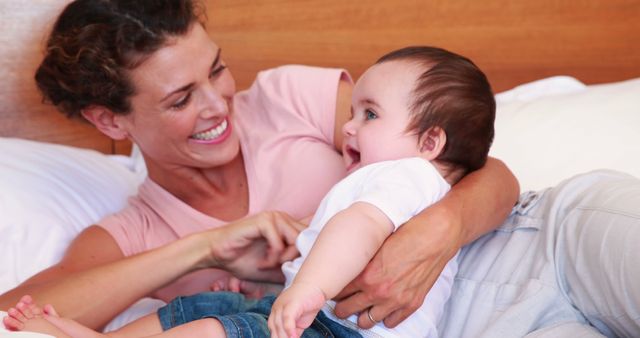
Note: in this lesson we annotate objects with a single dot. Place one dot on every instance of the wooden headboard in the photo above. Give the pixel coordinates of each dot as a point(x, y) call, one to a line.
point(512, 41)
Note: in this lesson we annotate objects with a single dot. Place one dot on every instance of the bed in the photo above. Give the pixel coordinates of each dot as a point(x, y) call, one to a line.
point(567, 74)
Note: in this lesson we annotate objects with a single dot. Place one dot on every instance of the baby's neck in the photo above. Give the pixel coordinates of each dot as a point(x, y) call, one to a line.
point(450, 174)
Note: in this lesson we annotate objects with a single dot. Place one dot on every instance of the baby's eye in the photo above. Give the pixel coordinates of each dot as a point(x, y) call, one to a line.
point(370, 115)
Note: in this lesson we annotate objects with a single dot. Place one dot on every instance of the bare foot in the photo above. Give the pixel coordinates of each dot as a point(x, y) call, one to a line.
point(257, 290)
point(252, 290)
point(27, 316)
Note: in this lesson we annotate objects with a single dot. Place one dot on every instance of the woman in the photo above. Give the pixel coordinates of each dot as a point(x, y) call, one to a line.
point(147, 71)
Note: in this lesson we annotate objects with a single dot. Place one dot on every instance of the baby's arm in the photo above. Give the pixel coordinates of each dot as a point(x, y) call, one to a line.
point(342, 250)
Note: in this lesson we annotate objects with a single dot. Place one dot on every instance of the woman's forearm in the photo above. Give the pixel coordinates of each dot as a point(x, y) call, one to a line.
point(482, 199)
point(475, 205)
point(94, 282)
point(95, 295)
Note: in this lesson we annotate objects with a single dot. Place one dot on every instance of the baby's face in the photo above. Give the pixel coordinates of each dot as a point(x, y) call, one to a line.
point(380, 109)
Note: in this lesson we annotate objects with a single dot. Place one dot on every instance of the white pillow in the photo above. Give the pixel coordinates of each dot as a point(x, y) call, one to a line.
point(544, 87)
point(48, 194)
point(547, 138)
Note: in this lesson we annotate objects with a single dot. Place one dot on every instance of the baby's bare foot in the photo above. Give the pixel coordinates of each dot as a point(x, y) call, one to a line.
point(24, 310)
point(257, 290)
point(28, 316)
point(252, 290)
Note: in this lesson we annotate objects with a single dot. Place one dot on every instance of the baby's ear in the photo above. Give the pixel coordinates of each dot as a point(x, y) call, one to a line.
point(106, 121)
point(432, 143)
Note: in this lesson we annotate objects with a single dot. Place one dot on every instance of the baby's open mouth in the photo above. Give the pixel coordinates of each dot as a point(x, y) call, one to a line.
point(354, 155)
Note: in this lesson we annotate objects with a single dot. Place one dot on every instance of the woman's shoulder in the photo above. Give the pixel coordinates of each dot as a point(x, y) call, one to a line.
point(140, 225)
point(302, 74)
point(291, 97)
point(298, 85)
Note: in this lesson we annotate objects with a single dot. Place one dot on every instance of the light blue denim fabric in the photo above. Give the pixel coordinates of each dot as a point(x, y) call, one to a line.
point(566, 263)
point(240, 317)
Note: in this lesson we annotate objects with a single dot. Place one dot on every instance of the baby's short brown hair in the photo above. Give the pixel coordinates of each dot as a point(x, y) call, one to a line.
point(454, 94)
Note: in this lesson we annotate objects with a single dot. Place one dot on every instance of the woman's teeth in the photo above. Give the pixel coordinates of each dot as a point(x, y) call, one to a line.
point(211, 133)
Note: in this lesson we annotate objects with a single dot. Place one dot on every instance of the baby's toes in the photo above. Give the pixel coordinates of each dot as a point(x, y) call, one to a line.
point(35, 309)
point(16, 314)
point(11, 323)
point(26, 299)
point(25, 309)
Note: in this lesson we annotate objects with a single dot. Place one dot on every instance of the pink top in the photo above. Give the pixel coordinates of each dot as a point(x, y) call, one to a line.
point(285, 123)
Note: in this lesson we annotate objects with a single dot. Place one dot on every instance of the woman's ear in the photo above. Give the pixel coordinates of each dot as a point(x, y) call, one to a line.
point(432, 143)
point(106, 121)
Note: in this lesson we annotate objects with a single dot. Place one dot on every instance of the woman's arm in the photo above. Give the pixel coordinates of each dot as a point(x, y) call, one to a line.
point(94, 282)
point(50, 286)
point(343, 110)
point(398, 278)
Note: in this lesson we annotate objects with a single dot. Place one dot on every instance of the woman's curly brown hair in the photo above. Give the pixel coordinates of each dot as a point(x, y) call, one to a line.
point(94, 43)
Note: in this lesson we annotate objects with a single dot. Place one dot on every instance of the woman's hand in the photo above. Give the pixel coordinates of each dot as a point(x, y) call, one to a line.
point(254, 248)
point(396, 281)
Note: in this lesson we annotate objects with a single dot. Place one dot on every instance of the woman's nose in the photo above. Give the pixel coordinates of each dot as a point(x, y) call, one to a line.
point(214, 103)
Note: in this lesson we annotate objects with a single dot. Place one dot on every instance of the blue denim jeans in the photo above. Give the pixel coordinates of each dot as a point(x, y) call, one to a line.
point(239, 316)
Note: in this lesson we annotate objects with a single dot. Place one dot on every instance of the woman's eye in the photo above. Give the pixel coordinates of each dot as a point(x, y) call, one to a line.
point(183, 102)
point(370, 115)
point(217, 71)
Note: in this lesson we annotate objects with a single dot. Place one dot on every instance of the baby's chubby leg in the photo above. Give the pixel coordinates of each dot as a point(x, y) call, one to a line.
point(27, 316)
point(213, 314)
point(149, 326)
point(207, 328)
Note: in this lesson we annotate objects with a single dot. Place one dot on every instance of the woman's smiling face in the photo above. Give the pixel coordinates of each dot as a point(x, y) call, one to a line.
point(182, 108)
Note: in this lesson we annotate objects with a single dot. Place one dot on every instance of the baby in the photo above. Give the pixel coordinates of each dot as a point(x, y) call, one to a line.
point(422, 118)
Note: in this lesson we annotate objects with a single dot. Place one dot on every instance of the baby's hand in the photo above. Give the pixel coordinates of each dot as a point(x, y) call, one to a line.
point(295, 309)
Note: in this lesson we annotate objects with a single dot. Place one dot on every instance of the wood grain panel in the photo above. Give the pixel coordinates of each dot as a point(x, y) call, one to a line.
point(513, 41)
point(22, 114)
